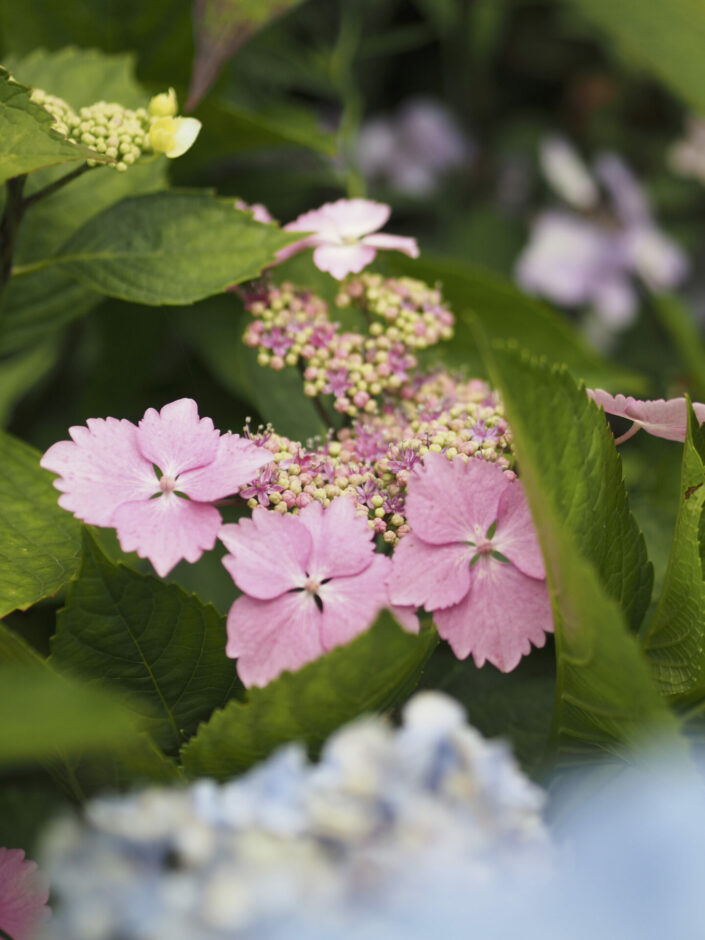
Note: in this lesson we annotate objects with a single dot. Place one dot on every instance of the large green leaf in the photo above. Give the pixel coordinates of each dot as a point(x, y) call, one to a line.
point(161, 648)
point(169, 248)
point(40, 546)
point(81, 76)
point(28, 141)
point(667, 38)
point(572, 449)
point(595, 559)
point(674, 639)
point(506, 313)
point(369, 673)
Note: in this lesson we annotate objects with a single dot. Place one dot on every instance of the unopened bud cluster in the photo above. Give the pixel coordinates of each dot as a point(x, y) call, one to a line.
point(119, 133)
point(293, 327)
point(370, 461)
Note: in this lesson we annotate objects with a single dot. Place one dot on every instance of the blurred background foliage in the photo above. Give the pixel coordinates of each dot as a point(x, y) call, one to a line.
point(281, 126)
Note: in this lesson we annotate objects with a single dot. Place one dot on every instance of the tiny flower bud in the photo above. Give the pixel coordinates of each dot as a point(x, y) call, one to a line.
point(164, 104)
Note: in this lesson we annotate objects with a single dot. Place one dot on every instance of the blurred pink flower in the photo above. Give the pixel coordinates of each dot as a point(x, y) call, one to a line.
point(472, 558)
point(107, 478)
point(259, 212)
point(23, 895)
point(310, 583)
point(660, 417)
point(342, 234)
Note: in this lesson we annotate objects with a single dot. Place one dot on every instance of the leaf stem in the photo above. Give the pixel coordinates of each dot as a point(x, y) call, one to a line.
point(56, 185)
point(9, 225)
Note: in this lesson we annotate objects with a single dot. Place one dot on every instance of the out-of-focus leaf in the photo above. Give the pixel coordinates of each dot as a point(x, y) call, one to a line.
point(160, 648)
point(21, 372)
point(674, 639)
point(169, 248)
point(40, 545)
point(369, 673)
point(506, 313)
point(667, 39)
point(220, 28)
point(28, 140)
point(606, 702)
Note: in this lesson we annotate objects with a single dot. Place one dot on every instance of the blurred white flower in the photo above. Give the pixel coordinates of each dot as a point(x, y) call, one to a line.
point(411, 150)
point(687, 156)
point(591, 258)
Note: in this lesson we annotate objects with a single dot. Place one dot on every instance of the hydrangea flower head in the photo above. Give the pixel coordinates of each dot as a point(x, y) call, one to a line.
point(23, 895)
point(345, 236)
point(310, 582)
point(107, 478)
point(663, 418)
point(472, 558)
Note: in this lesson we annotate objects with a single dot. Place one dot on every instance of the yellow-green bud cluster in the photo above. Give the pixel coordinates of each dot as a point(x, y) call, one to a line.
point(66, 121)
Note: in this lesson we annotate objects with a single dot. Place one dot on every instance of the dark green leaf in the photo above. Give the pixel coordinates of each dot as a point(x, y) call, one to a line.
point(40, 545)
point(674, 639)
point(169, 248)
point(21, 372)
point(161, 648)
point(680, 324)
point(368, 674)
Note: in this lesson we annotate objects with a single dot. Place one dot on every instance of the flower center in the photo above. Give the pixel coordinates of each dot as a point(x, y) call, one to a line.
point(484, 547)
point(167, 484)
point(311, 585)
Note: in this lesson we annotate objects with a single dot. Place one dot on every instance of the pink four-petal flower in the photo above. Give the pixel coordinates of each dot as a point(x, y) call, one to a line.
point(345, 236)
point(107, 478)
point(472, 558)
point(667, 418)
point(23, 895)
point(310, 582)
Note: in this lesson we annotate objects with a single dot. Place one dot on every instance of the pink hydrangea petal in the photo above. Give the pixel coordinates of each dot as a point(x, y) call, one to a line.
point(100, 469)
point(295, 247)
point(236, 462)
point(23, 895)
point(662, 418)
point(502, 615)
point(381, 240)
point(341, 260)
point(176, 439)
point(269, 553)
point(167, 529)
point(342, 542)
point(430, 576)
point(447, 498)
point(515, 536)
point(268, 637)
point(351, 605)
point(345, 218)
point(406, 618)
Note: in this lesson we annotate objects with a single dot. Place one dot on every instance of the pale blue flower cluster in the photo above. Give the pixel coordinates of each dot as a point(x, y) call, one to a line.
point(298, 849)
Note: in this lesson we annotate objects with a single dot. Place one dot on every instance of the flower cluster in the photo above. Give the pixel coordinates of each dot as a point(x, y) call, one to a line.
point(589, 256)
point(376, 816)
point(292, 327)
point(370, 461)
point(123, 134)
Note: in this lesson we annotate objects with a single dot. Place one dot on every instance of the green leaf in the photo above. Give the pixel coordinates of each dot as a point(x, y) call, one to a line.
point(667, 39)
point(505, 313)
point(40, 546)
point(161, 648)
point(369, 673)
point(28, 141)
point(169, 248)
point(679, 322)
point(674, 639)
point(21, 372)
point(81, 76)
point(595, 559)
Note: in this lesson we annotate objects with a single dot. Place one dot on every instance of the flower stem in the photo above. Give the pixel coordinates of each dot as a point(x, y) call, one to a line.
point(56, 185)
point(9, 225)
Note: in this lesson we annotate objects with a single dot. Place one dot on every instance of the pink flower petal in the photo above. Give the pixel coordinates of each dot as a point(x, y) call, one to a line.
point(451, 501)
point(269, 553)
point(342, 542)
point(176, 439)
point(268, 637)
point(345, 218)
point(23, 895)
point(236, 462)
point(662, 418)
point(381, 240)
point(503, 614)
point(295, 247)
point(406, 618)
point(167, 529)
point(341, 260)
point(101, 469)
point(430, 576)
point(351, 605)
point(515, 536)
